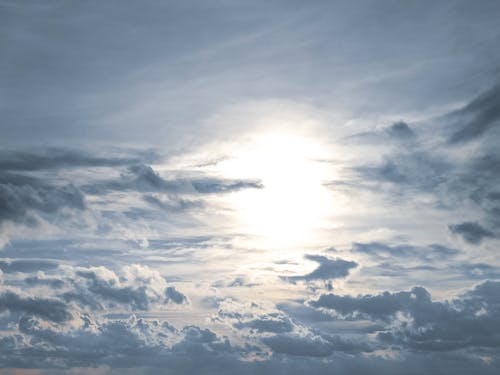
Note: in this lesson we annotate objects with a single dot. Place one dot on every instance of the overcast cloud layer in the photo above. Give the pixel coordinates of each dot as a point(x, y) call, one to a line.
point(275, 187)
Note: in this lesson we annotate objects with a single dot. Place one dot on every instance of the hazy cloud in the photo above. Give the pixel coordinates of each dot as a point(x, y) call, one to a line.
point(328, 269)
point(477, 117)
point(471, 232)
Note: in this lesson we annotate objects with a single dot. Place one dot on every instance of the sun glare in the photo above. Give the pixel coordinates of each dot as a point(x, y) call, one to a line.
point(293, 204)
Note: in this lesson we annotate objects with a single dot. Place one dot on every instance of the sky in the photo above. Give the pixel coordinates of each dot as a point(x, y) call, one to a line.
point(271, 187)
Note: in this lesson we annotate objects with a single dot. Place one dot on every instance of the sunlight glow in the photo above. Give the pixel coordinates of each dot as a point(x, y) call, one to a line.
point(293, 204)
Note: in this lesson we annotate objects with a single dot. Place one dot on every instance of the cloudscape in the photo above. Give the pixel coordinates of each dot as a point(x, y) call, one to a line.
point(249, 187)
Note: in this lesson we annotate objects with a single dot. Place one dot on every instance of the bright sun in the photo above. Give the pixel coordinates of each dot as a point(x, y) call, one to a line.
point(293, 204)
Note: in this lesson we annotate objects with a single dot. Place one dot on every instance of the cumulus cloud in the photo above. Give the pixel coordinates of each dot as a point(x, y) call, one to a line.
point(413, 320)
point(73, 290)
point(136, 287)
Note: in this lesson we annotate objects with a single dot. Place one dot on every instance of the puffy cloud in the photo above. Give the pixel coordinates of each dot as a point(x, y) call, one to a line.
point(275, 322)
point(382, 306)
point(129, 342)
point(414, 321)
point(136, 287)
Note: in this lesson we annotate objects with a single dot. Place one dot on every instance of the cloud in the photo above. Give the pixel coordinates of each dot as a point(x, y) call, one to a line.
point(55, 158)
point(298, 345)
point(172, 204)
point(136, 287)
point(133, 288)
point(54, 283)
point(401, 130)
point(480, 271)
point(416, 322)
point(132, 342)
point(382, 306)
point(174, 295)
point(19, 200)
point(416, 170)
point(477, 117)
point(328, 269)
point(143, 178)
point(382, 251)
point(471, 232)
point(26, 265)
point(267, 325)
point(50, 309)
point(270, 322)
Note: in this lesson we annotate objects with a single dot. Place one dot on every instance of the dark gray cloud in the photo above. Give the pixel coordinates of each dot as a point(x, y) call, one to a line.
point(466, 322)
point(132, 288)
point(107, 289)
point(26, 265)
point(144, 179)
point(52, 282)
point(174, 295)
point(479, 271)
point(18, 201)
point(137, 288)
point(399, 131)
point(383, 306)
point(477, 117)
point(130, 342)
point(293, 344)
point(46, 308)
point(328, 269)
point(271, 322)
point(311, 345)
point(472, 232)
point(55, 158)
